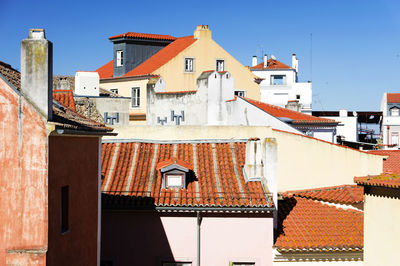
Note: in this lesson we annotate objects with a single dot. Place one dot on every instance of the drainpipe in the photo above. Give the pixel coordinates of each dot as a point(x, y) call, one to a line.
point(387, 134)
point(198, 237)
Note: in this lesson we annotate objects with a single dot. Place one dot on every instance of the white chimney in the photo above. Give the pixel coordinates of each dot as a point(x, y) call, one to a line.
point(265, 60)
point(254, 61)
point(295, 62)
point(342, 112)
point(87, 83)
point(254, 164)
point(37, 71)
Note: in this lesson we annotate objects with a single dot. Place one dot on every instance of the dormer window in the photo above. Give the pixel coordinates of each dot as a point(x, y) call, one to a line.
point(395, 111)
point(174, 173)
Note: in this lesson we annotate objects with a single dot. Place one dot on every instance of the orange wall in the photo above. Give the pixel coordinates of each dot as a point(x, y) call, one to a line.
point(74, 161)
point(23, 181)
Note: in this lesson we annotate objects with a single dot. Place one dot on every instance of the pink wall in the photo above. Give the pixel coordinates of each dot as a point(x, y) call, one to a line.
point(23, 180)
point(147, 239)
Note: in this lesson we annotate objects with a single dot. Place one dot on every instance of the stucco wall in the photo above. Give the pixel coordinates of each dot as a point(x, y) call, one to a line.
point(303, 162)
point(319, 263)
point(381, 227)
point(74, 162)
point(149, 239)
point(23, 180)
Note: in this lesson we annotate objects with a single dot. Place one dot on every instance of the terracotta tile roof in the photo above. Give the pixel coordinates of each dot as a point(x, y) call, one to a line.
point(106, 71)
point(67, 118)
point(65, 97)
point(382, 180)
point(161, 57)
point(12, 75)
point(272, 64)
point(297, 117)
point(345, 194)
point(172, 161)
point(137, 35)
point(393, 97)
point(392, 163)
point(130, 176)
point(308, 225)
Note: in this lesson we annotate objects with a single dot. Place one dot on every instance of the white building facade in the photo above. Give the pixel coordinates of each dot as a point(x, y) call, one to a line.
point(280, 83)
point(390, 127)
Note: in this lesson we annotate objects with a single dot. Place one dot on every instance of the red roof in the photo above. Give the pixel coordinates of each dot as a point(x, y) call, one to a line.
point(129, 172)
point(65, 97)
point(106, 71)
point(161, 57)
point(153, 63)
point(272, 64)
point(308, 225)
point(149, 36)
point(297, 117)
point(346, 194)
point(393, 97)
point(171, 161)
point(392, 163)
point(382, 180)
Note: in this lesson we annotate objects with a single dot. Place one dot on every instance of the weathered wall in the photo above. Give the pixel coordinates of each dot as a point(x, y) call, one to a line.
point(381, 227)
point(149, 239)
point(303, 162)
point(23, 180)
point(113, 105)
point(74, 162)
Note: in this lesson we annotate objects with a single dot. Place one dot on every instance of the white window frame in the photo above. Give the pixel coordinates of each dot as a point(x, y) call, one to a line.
point(188, 64)
point(135, 97)
point(167, 176)
point(394, 138)
point(220, 65)
point(120, 58)
point(394, 111)
point(273, 80)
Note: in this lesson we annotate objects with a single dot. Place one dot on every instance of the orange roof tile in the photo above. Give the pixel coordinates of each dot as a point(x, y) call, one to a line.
point(161, 57)
point(171, 161)
point(65, 97)
point(382, 180)
point(392, 163)
point(272, 64)
point(106, 71)
point(130, 175)
point(346, 194)
point(149, 36)
point(305, 225)
point(297, 117)
point(393, 97)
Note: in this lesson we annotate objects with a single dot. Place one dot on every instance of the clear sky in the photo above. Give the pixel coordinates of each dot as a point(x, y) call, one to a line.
point(355, 43)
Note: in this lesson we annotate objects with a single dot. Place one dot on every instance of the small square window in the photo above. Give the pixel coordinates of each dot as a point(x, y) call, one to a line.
point(240, 93)
point(135, 97)
point(173, 180)
point(120, 58)
point(220, 65)
point(189, 64)
point(394, 111)
point(297, 97)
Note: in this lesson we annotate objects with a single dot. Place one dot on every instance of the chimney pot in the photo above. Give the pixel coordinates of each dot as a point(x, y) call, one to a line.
point(254, 61)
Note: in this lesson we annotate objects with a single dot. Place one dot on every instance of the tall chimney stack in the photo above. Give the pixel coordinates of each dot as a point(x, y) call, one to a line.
point(37, 71)
point(295, 62)
point(254, 61)
point(265, 61)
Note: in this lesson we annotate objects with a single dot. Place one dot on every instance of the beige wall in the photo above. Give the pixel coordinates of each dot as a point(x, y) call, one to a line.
point(205, 52)
point(124, 89)
point(303, 162)
point(381, 230)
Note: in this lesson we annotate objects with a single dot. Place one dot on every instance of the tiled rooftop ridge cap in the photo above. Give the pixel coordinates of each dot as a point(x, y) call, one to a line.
point(173, 141)
point(143, 36)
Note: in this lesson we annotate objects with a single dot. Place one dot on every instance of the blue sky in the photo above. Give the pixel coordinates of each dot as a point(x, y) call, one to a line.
point(356, 43)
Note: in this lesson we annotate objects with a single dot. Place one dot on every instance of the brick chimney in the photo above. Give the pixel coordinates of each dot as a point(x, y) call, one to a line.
point(202, 32)
point(37, 71)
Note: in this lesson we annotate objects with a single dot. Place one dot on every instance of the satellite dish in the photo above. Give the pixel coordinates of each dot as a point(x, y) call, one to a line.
point(273, 57)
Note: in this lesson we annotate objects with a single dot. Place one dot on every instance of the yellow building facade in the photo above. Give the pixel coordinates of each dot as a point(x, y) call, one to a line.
point(203, 53)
